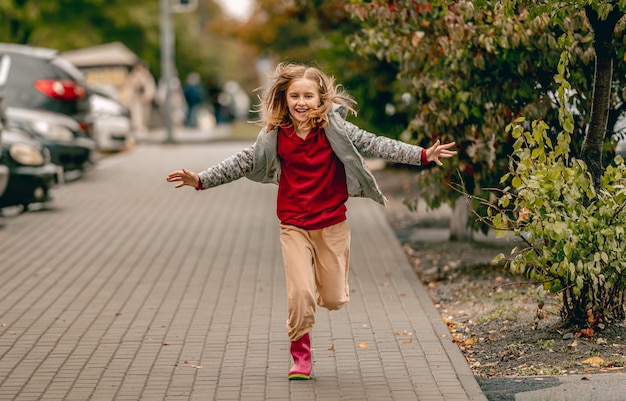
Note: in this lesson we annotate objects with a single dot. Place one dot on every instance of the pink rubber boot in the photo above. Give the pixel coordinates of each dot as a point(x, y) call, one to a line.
point(301, 353)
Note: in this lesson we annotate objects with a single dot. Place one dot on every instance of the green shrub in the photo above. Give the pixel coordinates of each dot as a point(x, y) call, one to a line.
point(574, 236)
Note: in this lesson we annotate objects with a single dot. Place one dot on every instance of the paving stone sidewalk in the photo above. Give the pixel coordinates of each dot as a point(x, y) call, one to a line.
point(127, 289)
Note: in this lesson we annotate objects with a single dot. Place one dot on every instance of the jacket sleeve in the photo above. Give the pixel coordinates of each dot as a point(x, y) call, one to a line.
point(231, 169)
point(371, 145)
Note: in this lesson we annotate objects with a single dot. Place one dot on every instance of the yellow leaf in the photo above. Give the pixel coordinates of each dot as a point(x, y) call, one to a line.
point(593, 361)
point(331, 348)
point(409, 341)
point(524, 214)
point(363, 345)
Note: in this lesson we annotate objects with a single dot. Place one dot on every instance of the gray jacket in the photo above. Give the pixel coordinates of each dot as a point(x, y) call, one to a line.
point(260, 162)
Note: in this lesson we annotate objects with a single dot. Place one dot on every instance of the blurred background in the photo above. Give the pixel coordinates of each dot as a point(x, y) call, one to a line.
point(222, 51)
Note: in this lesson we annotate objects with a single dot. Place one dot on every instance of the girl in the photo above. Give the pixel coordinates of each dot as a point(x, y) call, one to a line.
point(314, 155)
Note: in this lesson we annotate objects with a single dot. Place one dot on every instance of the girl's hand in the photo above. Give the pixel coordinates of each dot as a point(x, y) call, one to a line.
point(185, 177)
point(437, 151)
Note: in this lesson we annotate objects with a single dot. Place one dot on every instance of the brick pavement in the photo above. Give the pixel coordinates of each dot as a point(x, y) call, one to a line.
point(127, 289)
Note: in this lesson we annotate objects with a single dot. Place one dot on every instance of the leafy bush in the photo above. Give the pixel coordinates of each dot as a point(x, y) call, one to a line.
point(574, 236)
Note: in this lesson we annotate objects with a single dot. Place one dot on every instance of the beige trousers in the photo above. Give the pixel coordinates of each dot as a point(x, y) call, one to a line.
point(316, 268)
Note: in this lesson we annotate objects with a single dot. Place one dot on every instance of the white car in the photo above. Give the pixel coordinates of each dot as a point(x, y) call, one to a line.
point(111, 122)
point(619, 135)
point(620, 147)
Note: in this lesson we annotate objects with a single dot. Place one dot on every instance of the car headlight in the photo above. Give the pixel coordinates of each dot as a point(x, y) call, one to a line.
point(53, 132)
point(26, 154)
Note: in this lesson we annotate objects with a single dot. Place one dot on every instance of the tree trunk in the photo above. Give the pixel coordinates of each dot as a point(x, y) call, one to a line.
point(591, 152)
point(459, 229)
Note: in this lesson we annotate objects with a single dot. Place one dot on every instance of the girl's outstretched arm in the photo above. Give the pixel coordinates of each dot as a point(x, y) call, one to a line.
point(372, 145)
point(184, 177)
point(228, 170)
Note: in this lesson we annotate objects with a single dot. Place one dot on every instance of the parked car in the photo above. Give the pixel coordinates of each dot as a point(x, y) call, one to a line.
point(112, 129)
point(620, 136)
point(69, 146)
point(4, 179)
point(31, 174)
point(4, 171)
point(40, 79)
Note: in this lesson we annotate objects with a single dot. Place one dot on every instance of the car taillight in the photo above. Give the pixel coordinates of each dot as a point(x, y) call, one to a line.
point(84, 126)
point(60, 89)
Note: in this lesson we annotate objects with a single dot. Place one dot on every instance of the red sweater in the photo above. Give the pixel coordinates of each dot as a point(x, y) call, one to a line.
point(312, 191)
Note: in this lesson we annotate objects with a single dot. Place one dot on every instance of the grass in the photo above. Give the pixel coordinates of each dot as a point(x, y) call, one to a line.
point(546, 344)
point(540, 370)
point(501, 312)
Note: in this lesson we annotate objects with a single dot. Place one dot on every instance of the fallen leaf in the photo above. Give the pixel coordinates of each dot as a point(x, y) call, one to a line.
point(588, 333)
point(166, 344)
point(409, 341)
point(363, 345)
point(593, 361)
point(331, 348)
point(197, 366)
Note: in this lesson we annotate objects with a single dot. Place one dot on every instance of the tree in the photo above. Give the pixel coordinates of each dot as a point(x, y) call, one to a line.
point(571, 219)
point(603, 28)
point(470, 70)
point(571, 212)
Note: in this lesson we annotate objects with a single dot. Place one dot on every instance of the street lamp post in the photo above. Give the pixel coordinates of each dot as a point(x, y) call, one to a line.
point(167, 63)
point(167, 54)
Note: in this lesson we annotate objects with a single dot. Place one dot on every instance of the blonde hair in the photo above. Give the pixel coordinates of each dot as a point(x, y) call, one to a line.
point(273, 103)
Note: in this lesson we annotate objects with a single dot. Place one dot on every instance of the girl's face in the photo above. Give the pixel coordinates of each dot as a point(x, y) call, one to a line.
point(302, 96)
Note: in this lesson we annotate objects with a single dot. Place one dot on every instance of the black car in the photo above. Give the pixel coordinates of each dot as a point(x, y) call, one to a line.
point(31, 174)
point(40, 79)
point(69, 146)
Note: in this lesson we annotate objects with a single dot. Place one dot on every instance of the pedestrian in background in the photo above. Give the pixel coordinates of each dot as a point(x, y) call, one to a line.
point(195, 97)
point(314, 154)
point(142, 89)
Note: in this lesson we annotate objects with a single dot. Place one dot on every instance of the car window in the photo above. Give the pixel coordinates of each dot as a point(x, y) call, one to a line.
point(68, 68)
point(19, 87)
